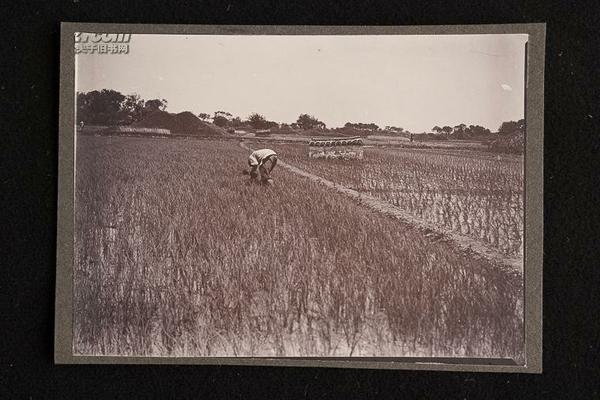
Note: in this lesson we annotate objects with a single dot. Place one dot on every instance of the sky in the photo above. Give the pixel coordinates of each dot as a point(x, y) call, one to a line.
point(410, 81)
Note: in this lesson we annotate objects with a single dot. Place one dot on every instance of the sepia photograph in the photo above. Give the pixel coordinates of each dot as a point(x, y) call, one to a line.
point(299, 195)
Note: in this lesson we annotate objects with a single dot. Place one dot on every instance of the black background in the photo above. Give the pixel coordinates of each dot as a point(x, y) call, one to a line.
point(29, 86)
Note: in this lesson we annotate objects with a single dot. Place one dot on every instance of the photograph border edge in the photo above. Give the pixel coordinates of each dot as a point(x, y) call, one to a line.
point(533, 255)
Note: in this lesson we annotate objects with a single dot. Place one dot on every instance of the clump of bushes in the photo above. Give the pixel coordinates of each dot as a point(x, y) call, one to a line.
point(511, 144)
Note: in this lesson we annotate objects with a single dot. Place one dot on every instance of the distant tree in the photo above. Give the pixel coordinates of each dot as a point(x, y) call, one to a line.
point(362, 126)
point(511, 127)
point(220, 120)
point(155, 105)
point(306, 121)
point(204, 116)
point(133, 107)
point(522, 125)
point(459, 130)
point(224, 114)
point(235, 122)
point(104, 107)
point(257, 121)
point(437, 129)
point(477, 130)
point(447, 130)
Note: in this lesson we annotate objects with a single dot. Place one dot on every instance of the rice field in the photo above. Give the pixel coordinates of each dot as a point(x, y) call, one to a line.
point(176, 255)
point(479, 195)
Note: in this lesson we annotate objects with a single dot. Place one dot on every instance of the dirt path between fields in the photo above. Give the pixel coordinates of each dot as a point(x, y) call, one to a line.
point(466, 244)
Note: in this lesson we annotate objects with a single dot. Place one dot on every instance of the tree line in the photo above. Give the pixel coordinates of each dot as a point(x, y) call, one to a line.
point(258, 121)
point(463, 131)
point(110, 107)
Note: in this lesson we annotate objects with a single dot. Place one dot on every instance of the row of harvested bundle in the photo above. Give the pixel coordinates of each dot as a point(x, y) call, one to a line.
point(336, 142)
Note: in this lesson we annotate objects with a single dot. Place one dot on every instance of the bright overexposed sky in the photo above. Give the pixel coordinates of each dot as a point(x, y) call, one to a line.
point(411, 81)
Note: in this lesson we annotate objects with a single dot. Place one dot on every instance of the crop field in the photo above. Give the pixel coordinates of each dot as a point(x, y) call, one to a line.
point(475, 194)
point(177, 255)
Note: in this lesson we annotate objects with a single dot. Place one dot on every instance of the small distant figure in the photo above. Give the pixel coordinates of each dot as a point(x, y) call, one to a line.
point(411, 137)
point(81, 124)
point(258, 170)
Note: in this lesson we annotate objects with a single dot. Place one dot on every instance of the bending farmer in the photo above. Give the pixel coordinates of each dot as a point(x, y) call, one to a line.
point(257, 161)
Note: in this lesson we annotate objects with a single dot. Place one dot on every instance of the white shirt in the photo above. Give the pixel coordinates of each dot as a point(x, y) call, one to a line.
point(257, 157)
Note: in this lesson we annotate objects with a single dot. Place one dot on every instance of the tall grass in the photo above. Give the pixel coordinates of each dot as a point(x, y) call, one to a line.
point(177, 255)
